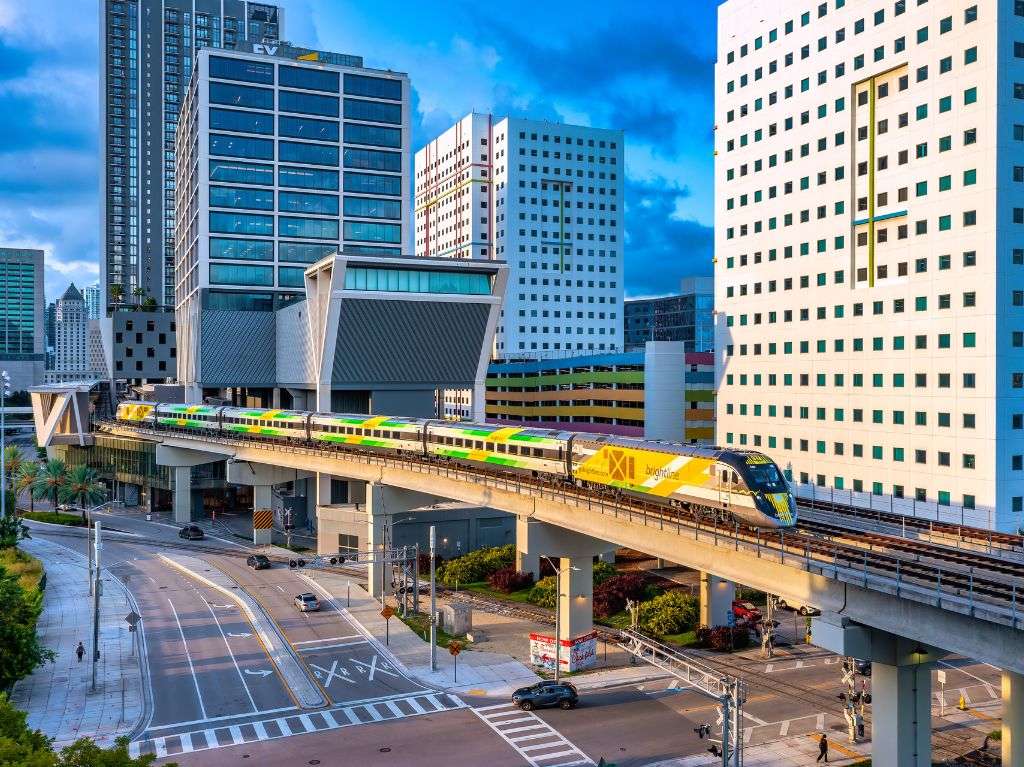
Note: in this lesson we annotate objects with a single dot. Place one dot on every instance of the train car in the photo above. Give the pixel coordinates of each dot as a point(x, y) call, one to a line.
point(533, 450)
point(135, 412)
point(380, 432)
point(276, 423)
point(186, 416)
point(743, 484)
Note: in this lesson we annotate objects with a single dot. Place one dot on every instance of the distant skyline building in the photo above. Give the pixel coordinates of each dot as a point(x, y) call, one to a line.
point(255, 212)
point(71, 331)
point(93, 299)
point(22, 330)
point(688, 317)
point(545, 197)
point(869, 249)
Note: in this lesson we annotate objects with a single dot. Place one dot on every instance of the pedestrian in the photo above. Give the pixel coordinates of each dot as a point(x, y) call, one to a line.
point(80, 651)
point(858, 719)
point(822, 749)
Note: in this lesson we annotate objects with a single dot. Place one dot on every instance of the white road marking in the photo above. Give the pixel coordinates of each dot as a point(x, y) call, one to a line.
point(327, 639)
point(377, 709)
point(497, 717)
point(819, 723)
point(318, 648)
point(217, 718)
point(227, 644)
point(962, 671)
point(753, 718)
point(332, 673)
point(784, 729)
point(188, 657)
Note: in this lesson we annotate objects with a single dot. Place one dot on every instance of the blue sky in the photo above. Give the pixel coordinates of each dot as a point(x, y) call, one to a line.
point(644, 68)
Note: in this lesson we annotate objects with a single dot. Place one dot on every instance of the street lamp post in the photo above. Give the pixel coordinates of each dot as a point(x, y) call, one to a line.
point(558, 614)
point(5, 392)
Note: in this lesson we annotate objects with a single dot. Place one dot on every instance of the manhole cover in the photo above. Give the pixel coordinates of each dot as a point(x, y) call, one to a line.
point(314, 761)
point(384, 750)
point(245, 756)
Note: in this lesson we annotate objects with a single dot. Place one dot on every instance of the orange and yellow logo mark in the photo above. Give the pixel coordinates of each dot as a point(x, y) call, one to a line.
point(620, 465)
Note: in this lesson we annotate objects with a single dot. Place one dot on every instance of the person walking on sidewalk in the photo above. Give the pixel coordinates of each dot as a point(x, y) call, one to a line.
point(80, 651)
point(822, 749)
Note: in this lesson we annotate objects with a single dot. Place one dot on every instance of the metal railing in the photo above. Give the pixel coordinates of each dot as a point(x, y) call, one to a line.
point(951, 587)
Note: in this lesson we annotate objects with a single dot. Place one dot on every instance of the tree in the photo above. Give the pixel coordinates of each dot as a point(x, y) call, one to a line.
point(22, 650)
point(149, 304)
point(12, 530)
point(116, 292)
point(13, 459)
point(53, 476)
point(83, 488)
point(25, 480)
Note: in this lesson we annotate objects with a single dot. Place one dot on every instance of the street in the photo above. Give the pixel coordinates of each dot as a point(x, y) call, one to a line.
point(217, 695)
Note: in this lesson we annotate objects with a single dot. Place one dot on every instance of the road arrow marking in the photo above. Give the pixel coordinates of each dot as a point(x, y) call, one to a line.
point(261, 672)
point(243, 635)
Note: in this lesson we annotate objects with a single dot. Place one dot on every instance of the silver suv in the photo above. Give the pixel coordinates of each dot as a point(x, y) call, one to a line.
point(307, 602)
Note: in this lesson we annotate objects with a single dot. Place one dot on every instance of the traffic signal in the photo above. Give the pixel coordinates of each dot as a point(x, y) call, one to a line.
point(293, 563)
point(702, 730)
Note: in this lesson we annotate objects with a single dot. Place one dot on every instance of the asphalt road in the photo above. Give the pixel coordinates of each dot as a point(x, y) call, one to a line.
point(347, 666)
point(201, 648)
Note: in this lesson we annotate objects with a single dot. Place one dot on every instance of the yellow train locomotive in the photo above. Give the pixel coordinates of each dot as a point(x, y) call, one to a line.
point(741, 484)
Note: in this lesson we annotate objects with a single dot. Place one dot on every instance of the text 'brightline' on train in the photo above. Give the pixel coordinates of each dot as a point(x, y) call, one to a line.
point(740, 484)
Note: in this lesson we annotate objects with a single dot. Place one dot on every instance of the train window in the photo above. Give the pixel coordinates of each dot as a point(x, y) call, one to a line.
point(502, 448)
point(537, 452)
point(735, 479)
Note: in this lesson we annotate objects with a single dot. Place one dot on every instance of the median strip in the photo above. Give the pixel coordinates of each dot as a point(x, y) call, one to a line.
point(291, 670)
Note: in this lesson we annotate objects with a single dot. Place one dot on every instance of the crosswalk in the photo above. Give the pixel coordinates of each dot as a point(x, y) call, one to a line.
point(297, 724)
point(533, 739)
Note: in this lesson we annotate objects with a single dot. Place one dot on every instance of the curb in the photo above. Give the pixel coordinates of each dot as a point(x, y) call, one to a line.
point(285, 656)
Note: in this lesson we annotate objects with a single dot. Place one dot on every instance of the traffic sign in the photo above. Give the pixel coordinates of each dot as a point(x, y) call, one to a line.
point(454, 648)
point(387, 612)
point(131, 619)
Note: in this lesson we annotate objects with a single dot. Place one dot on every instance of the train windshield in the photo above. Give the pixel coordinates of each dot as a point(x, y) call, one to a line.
point(766, 477)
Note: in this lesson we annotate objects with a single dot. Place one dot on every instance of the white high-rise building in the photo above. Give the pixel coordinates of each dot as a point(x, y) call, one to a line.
point(71, 330)
point(869, 278)
point(548, 199)
point(91, 294)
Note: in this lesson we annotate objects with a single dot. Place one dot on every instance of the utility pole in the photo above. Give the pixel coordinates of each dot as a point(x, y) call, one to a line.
point(433, 601)
point(96, 608)
point(5, 390)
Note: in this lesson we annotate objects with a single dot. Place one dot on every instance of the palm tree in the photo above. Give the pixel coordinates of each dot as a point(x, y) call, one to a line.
point(25, 480)
point(116, 292)
point(51, 480)
point(138, 292)
point(13, 459)
point(83, 488)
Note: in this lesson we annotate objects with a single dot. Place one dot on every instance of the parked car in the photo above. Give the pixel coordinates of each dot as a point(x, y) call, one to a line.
point(802, 609)
point(548, 693)
point(191, 533)
point(745, 611)
point(307, 602)
point(259, 562)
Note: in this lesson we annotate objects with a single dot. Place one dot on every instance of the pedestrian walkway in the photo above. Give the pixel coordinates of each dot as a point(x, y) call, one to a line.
point(57, 696)
point(799, 751)
point(532, 738)
point(367, 712)
point(479, 673)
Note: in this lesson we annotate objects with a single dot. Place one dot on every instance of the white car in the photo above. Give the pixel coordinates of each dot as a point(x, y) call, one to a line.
point(307, 602)
point(782, 604)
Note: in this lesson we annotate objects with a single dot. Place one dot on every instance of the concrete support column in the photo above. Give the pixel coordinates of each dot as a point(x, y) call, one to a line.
point(901, 732)
point(1013, 719)
point(262, 497)
point(716, 596)
point(182, 494)
point(527, 560)
point(383, 503)
point(576, 600)
point(275, 397)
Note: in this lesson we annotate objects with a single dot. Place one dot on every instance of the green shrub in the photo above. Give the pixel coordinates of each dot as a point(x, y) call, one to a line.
point(672, 613)
point(476, 565)
point(543, 594)
point(20, 608)
point(603, 572)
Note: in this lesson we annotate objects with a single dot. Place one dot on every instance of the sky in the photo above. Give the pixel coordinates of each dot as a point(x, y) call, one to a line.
point(646, 69)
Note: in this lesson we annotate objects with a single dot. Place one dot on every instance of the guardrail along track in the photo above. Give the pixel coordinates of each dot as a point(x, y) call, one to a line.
point(942, 583)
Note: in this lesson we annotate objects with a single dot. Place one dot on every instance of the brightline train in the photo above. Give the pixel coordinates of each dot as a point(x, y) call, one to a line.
point(741, 484)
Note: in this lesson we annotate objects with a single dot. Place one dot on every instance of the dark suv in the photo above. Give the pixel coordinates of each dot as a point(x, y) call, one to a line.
point(259, 562)
point(560, 694)
point(191, 533)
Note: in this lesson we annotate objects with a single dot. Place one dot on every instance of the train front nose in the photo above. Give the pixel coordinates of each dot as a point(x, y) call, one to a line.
point(781, 507)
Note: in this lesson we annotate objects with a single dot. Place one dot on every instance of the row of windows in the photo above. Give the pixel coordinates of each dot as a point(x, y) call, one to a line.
point(247, 70)
point(416, 281)
point(944, 380)
point(303, 103)
point(291, 202)
point(897, 417)
point(263, 250)
point(244, 274)
point(314, 154)
point(969, 340)
point(944, 224)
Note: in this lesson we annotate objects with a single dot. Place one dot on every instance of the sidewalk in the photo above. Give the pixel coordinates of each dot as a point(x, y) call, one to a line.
point(57, 695)
point(797, 751)
point(479, 673)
